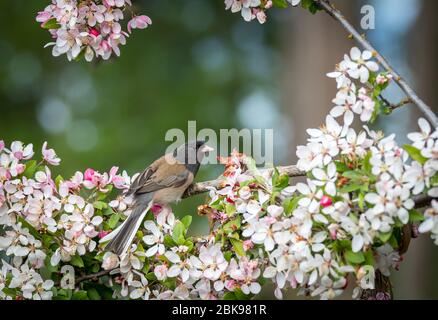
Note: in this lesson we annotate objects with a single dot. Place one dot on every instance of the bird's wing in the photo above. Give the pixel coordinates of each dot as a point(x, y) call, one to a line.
point(141, 179)
point(159, 175)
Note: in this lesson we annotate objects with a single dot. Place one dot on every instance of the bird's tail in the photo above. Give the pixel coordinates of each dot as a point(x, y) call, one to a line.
point(121, 238)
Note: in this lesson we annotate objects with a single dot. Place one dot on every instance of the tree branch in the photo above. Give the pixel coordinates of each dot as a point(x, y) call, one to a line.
point(92, 276)
point(201, 187)
point(392, 106)
point(382, 291)
point(422, 201)
point(337, 15)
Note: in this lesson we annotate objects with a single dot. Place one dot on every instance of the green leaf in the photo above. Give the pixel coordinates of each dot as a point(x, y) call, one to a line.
point(310, 5)
point(415, 216)
point(178, 233)
point(369, 257)
point(282, 181)
point(62, 294)
point(240, 295)
point(113, 220)
point(93, 294)
point(48, 240)
point(377, 107)
point(341, 167)
point(361, 202)
point(168, 241)
point(96, 267)
point(393, 241)
point(230, 209)
point(232, 225)
point(80, 295)
point(77, 261)
point(291, 204)
point(45, 272)
point(350, 188)
point(353, 175)
point(187, 221)
point(108, 211)
point(384, 237)
point(415, 153)
point(275, 176)
point(228, 255)
point(229, 296)
point(282, 4)
point(354, 257)
point(100, 205)
point(366, 163)
point(31, 167)
point(189, 245)
point(51, 24)
point(151, 276)
point(238, 247)
point(58, 180)
point(49, 266)
point(103, 195)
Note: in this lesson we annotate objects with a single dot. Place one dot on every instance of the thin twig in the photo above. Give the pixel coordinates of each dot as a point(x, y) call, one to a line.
point(393, 106)
point(201, 187)
point(92, 276)
point(337, 15)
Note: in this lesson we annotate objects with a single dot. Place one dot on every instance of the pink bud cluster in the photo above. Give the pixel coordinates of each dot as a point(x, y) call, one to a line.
point(91, 29)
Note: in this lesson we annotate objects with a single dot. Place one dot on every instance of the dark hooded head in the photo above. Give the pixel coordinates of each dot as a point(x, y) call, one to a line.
point(191, 154)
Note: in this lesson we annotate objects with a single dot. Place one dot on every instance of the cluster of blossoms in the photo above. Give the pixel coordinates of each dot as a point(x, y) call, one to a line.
point(255, 9)
point(163, 263)
point(50, 229)
point(46, 220)
point(361, 185)
point(91, 29)
point(348, 219)
point(359, 87)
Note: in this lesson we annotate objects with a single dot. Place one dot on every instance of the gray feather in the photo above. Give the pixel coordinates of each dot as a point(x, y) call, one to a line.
point(121, 242)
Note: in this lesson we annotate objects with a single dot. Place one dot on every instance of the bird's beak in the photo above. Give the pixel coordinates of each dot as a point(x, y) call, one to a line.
point(206, 149)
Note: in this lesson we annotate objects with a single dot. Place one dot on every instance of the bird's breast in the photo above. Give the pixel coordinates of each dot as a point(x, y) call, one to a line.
point(169, 195)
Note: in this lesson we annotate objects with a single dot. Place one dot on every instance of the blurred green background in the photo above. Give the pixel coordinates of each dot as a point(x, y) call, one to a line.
point(199, 62)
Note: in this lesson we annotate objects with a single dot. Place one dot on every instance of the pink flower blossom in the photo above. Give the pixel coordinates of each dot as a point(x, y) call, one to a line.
point(326, 201)
point(84, 26)
point(103, 234)
point(94, 32)
point(49, 155)
point(43, 16)
point(156, 209)
point(247, 245)
point(89, 174)
point(139, 22)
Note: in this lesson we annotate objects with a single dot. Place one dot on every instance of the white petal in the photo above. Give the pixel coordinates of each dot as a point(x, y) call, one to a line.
point(357, 243)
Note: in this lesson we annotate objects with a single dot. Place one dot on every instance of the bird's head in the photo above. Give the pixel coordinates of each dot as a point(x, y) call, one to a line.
point(192, 152)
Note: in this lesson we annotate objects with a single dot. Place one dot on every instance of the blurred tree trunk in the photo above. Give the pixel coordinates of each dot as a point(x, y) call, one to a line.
point(417, 276)
point(312, 45)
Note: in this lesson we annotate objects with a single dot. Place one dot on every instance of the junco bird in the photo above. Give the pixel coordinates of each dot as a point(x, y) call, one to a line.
point(162, 183)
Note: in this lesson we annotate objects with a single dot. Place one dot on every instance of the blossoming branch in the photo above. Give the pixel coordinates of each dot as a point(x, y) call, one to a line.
point(89, 29)
point(348, 218)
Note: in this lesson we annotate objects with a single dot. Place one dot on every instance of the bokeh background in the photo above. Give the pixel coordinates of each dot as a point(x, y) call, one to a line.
point(199, 62)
